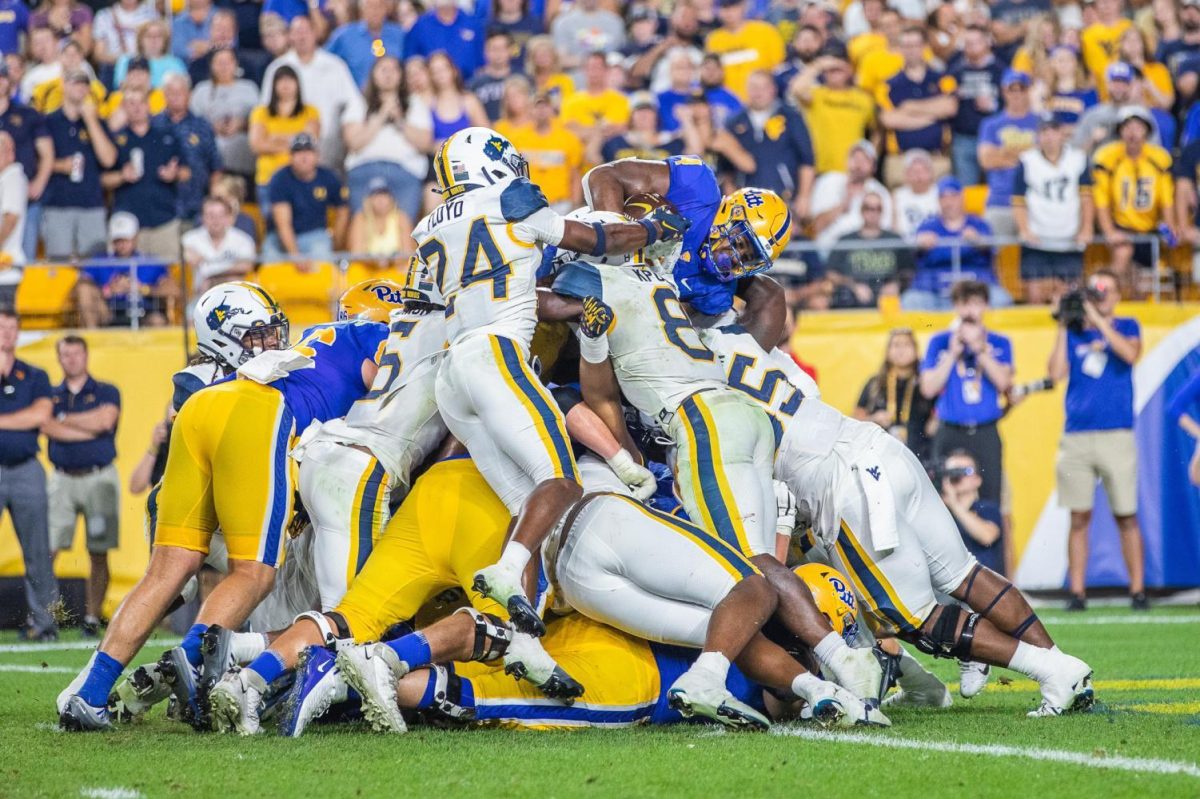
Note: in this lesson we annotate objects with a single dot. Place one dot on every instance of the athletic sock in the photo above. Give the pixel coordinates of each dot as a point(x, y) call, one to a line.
point(430, 687)
point(268, 665)
point(412, 649)
point(827, 647)
point(803, 685)
point(245, 647)
point(105, 671)
point(713, 662)
point(191, 644)
point(1032, 661)
point(515, 556)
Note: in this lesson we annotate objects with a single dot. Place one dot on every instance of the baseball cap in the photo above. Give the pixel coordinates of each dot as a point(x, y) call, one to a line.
point(76, 76)
point(137, 62)
point(866, 147)
point(1050, 119)
point(303, 141)
point(949, 185)
point(1119, 70)
point(122, 225)
point(378, 186)
point(643, 100)
point(1137, 112)
point(1015, 76)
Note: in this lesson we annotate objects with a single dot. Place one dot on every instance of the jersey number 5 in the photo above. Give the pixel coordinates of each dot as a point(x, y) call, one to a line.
point(390, 364)
point(677, 327)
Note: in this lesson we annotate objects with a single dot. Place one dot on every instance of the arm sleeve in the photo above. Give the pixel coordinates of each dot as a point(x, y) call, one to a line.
point(40, 384)
point(109, 394)
point(541, 227)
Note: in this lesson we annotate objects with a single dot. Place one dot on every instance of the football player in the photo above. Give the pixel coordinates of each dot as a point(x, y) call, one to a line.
point(480, 248)
point(228, 466)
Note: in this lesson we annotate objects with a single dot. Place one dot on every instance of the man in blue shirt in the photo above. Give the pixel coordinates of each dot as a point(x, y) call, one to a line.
point(977, 73)
point(447, 28)
point(25, 405)
point(1003, 137)
point(301, 196)
point(190, 31)
point(14, 20)
point(1096, 359)
point(360, 44)
point(489, 81)
point(82, 449)
point(197, 142)
point(968, 369)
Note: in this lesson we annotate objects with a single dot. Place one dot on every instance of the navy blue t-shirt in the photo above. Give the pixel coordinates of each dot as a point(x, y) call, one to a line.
point(974, 82)
point(935, 266)
point(901, 88)
point(1187, 166)
point(969, 397)
point(150, 199)
point(71, 137)
point(101, 450)
point(991, 556)
point(18, 390)
point(25, 126)
point(310, 199)
point(1100, 388)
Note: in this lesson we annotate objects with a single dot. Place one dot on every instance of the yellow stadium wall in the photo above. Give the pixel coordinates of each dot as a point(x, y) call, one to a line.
point(846, 348)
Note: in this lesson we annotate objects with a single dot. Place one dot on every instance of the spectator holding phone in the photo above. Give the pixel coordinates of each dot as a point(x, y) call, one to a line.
point(978, 520)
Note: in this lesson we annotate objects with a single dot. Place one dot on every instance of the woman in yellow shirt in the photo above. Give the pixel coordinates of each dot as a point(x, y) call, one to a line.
point(381, 228)
point(274, 125)
point(1044, 34)
point(1157, 89)
point(542, 66)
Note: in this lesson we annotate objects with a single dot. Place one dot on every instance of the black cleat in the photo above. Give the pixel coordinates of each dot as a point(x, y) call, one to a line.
point(1139, 601)
point(183, 678)
point(1076, 603)
point(524, 618)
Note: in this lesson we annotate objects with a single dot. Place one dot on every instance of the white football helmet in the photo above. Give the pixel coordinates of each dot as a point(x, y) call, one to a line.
point(236, 321)
point(476, 157)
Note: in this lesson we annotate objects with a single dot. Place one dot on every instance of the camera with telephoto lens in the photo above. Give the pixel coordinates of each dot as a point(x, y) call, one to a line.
point(1070, 308)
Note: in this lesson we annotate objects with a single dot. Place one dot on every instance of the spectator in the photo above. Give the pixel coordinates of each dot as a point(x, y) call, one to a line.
point(554, 153)
point(1003, 137)
point(917, 198)
point(838, 113)
point(360, 44)
point(979, 520)
point(389, 137)
point(704, 137)
point(43, 64)
point(447, 29)
point(137, 79)
point(286, 11)
point(453, 107)
point(745, 46)
point(682, 75)
point(14, 198)
point(1134, 193)
point(197, 141)
point(146, 175)
point(808, 45)
point(514, 18)
point(586, 28)
point(1101, 40)
point(543, 67)
point(724, 103)
point(106, 293)
point(15, 63)
point(14, 21)
point(1044, 34)
point(488, 83)
point(915, 106)
point(967, 369)
point(74, 206)
point(862, 275)
point(191, 31)
point(1063, 87)
point(67, 19)
point(875, 67)
point(977, 73)
point(274, 124)
point(82, 449)
point(838, 196)
point(301, 196)
point(223, 35)
point(1098, 124)
point(232, 189)
point(34, 152)
point(226, 101)
point(1053, 211)
point(1096, 359)
point(683, 35)
point(643, 38)
point(216, 251)
point(941, 264)
point(116, 29)
point(1157, 89)
point(643, 139)
point(381, 228)
point(595, 111)
point(1013, 21)
point(776, 136)
point(860, 23)
point(1180, 42)
point(149, 470)
point(327, 84)
point(25, 405)
point(48, 95)
point(892, 398)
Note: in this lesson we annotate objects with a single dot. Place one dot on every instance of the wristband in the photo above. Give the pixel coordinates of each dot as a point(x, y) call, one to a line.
point(651, 231)
point(601, 247)
point(594, 350)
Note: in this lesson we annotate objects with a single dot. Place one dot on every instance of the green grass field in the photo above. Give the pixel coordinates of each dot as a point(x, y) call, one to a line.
point(1143, 740)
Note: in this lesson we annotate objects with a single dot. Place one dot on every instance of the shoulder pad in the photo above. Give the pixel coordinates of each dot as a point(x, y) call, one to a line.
point(186, 384)
point(579, 279)
point(521, 199)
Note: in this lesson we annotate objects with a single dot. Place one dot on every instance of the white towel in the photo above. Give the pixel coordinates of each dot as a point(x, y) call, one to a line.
point(881, 504)
point(271, 365)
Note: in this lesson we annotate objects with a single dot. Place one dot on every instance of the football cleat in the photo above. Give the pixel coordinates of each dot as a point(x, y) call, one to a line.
point(319, 685)
point(236, 701)
point(1068, 690)
point(919, 688)
point(504, 586)
point(216, 646)
point(833, 705)
point(973, 678)
point(184, 679)
point(526, 659)
point(79, 716)
point(857, 670)
point(695, 693)
point(144, 689)
point(372, 671)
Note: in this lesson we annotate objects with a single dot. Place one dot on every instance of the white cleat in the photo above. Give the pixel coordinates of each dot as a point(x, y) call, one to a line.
point(919, 688)
point(698, 693)
point(235, 702)
point(832, 705)
point(858, 671)
point(373, 671)
point(972, 678)
point(1068, 690)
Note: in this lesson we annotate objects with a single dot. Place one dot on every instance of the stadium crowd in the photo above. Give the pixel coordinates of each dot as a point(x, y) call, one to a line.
point(908, 137)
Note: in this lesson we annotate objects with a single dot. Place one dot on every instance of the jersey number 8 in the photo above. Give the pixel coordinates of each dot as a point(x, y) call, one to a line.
point(677, 327)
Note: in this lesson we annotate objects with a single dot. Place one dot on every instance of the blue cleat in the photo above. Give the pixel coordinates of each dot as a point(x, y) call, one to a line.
point(184, 679)
point(318, 686)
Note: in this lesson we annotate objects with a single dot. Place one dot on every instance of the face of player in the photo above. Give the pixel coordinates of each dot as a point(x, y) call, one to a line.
point(73, 360)
point(262, 340)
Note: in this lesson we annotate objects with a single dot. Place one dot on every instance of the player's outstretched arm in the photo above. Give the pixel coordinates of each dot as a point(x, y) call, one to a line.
point(662, 224)
point(606, 187)
point(554, 307)
point(765, 314)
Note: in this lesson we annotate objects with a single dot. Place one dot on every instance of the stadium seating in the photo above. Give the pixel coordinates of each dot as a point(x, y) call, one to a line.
point(306, 296)
point(44, 296)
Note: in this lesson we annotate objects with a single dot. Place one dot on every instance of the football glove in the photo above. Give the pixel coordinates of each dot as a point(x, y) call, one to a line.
point(638, 478)
point(785, 509)
point(672, 224)
point(597, 317)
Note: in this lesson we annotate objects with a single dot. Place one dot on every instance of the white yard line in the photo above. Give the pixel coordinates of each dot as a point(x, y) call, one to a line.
point(1149, 618)
point(1136, 765)
point(22, 669)
point(111, 793)
point(69, 646)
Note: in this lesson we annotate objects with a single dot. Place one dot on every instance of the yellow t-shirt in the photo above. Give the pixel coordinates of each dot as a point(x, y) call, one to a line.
point(553, 156)
point(1023, 61)
point(837, 118)
point(48, 95)
point(559, 86)
point(756, 45)
point(1136, 190)
point(865, 43)
point(1160, 76)
point(155, 99)
point(267, 165)
point(586, 110)
point(877, 68)
point(1101, 44)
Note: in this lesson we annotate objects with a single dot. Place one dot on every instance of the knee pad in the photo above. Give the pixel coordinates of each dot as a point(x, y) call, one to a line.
point(447, 694)
point(492, 635)
point(945, 640)
point(330, 633)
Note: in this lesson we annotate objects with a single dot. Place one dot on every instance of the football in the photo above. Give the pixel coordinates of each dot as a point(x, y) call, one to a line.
point(639, 205)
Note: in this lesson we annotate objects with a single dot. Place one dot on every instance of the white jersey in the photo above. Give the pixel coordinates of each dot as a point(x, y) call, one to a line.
point(1050, 192)
point(482, 249)
point(771, 378)
point(398, 419)
point(191, 378)
point(657, 355)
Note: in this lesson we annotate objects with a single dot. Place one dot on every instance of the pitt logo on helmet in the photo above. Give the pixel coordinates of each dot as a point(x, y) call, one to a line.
point(833, 598)
point(750, 230)
point(371, 300)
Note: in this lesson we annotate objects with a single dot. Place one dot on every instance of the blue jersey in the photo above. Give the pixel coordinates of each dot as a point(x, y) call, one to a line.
point(694, 192)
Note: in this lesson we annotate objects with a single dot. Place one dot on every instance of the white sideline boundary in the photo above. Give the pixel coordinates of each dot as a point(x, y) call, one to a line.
point(72, 646)
point(1150, 618)
point(1136, 765)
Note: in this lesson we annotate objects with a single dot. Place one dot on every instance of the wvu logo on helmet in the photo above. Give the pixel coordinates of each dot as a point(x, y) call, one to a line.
point(217, 316)
point(495, 147)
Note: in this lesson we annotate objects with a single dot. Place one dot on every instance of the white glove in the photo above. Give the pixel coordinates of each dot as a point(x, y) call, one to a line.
point(785, 509)
point(639, 479)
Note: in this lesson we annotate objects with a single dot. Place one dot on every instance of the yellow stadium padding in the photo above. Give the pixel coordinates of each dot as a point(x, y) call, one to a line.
point(44, 296)
point(975, 198)
point(306, 296)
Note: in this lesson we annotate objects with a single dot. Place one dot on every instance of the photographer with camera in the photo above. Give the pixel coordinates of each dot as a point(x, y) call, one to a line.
point(979, 520)
point(1095, 352)
point(968, 369)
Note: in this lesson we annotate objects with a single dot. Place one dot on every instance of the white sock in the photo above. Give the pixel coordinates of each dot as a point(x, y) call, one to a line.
point(247, 646)
point(803, 685)
point(1056, 650)
point(714, 662)
point(1032, 661)
point(827, 647)
point(515, 556)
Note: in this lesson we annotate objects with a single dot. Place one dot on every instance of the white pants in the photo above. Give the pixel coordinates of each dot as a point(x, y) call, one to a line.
point(493, 402)
point(723, 460)
point(295, 589)
point(347, 494)
point(645, 572)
